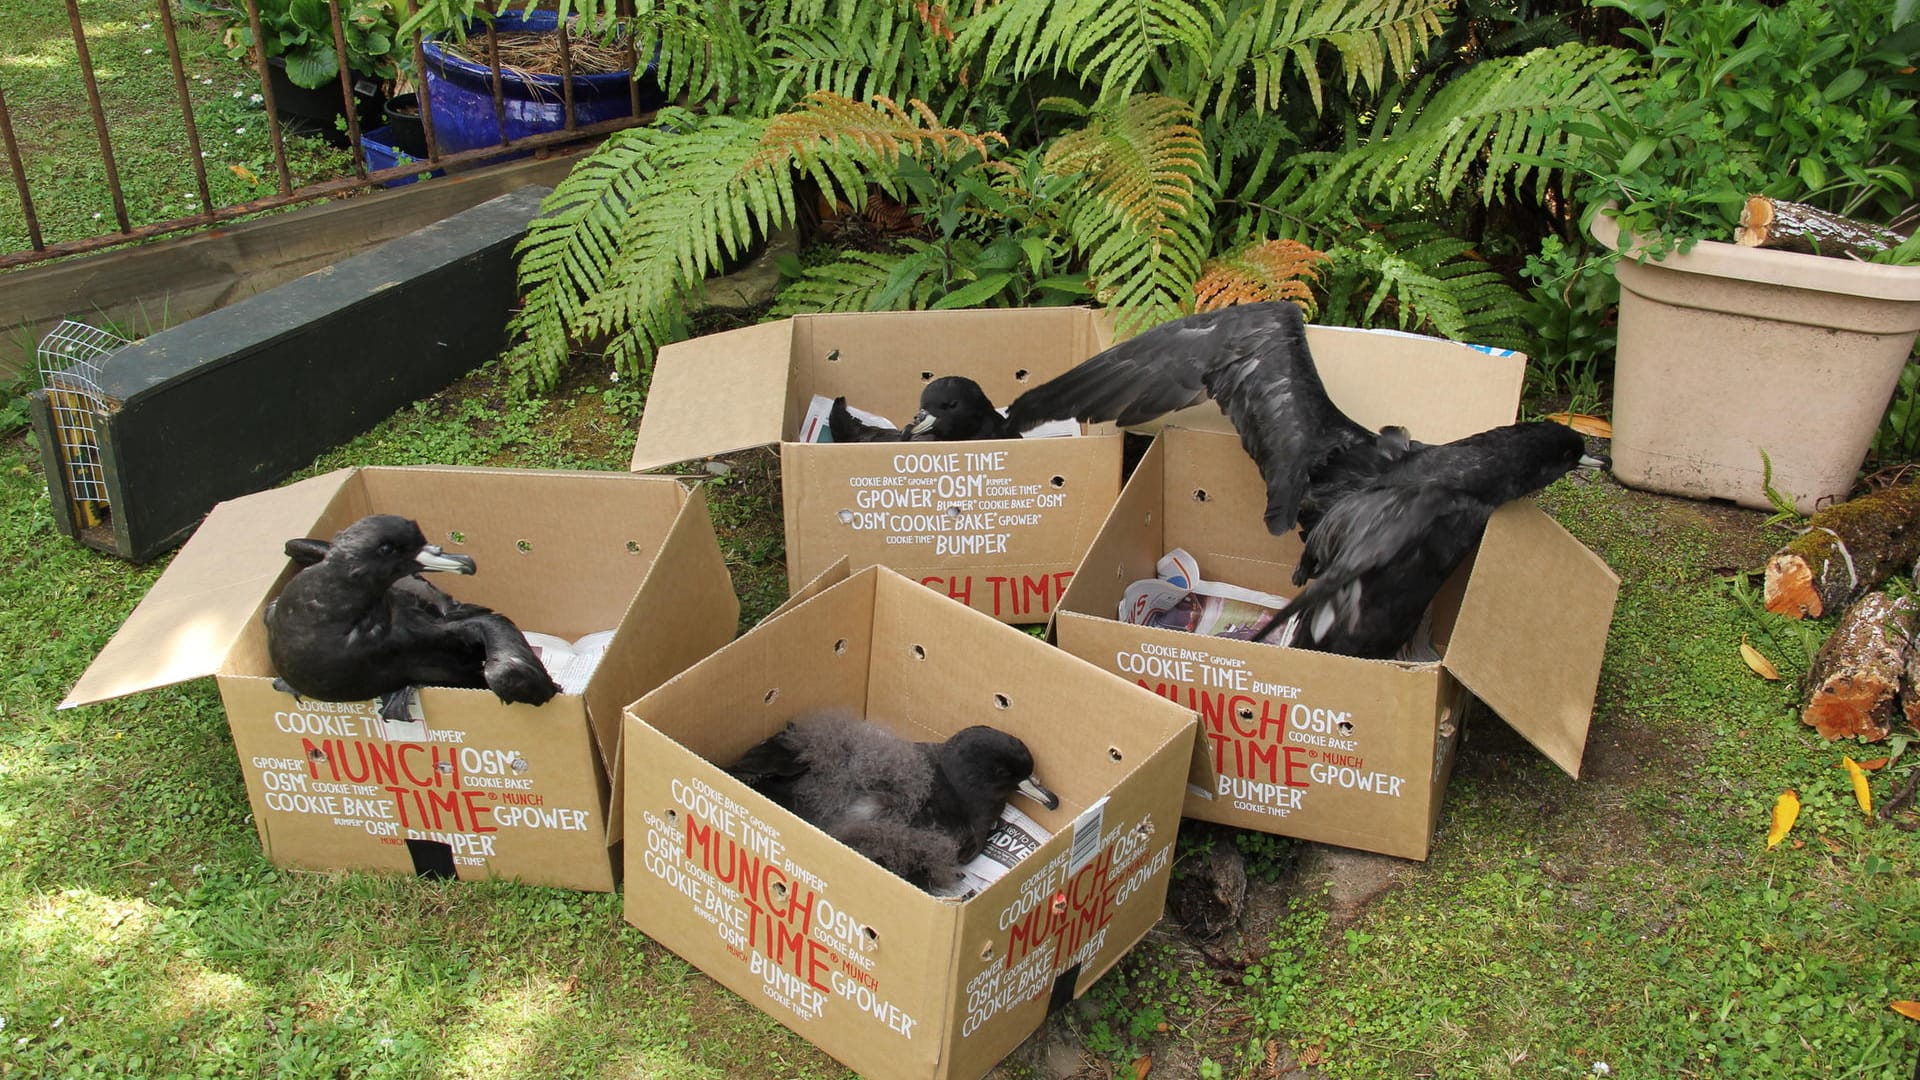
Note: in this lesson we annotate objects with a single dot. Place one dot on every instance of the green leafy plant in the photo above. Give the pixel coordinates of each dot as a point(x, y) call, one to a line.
point(301, 31)
point(1806, 101)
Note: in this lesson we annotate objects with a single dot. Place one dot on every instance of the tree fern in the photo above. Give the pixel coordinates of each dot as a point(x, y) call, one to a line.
point(1141, 217)
point(1496, 118)
point(631, 232)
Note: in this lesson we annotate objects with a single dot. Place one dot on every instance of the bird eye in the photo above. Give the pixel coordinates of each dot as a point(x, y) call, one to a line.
point(386, 549)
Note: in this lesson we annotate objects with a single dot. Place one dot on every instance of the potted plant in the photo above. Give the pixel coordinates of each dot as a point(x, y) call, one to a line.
point(1734, 360)
point(303, 64)
point(459, 72)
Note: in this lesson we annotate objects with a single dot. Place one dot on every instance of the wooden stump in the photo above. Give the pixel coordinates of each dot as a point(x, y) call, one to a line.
point(1852, 687)
point(1847, 549)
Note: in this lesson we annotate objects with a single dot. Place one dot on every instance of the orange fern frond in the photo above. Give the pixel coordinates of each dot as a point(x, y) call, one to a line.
point(883, 131)
point(1264, 270)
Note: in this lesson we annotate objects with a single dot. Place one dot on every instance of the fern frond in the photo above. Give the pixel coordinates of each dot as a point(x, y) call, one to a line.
point(855, 282)
point(1267, 270)
point(1422, 280)
point(1103, 43)
point(1371, 37)
point(1498, 118)
point(1140, 216)
point(827, 124)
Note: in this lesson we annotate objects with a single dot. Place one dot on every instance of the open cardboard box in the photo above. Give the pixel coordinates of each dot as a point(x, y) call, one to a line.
point(1332, 748)
point(475, 788)
point(997, 524)
point(889, 979)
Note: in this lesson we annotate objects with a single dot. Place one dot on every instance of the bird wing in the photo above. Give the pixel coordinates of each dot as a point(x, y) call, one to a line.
point(1252, 359)
point(1390, 539)
point(847, 427)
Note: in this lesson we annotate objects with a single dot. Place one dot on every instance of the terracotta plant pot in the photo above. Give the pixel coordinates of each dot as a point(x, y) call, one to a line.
point(1726, 351)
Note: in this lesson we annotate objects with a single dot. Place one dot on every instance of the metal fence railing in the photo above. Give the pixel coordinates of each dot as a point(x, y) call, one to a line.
point(209, 213)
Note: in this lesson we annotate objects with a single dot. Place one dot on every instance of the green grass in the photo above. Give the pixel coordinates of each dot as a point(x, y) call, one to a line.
point(1633, 917)
point(46, 97)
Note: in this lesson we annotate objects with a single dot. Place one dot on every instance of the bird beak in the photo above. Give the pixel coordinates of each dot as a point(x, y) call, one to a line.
point(432, 558)
point(921, 423)
point(1589, 461)
point(1031, 789)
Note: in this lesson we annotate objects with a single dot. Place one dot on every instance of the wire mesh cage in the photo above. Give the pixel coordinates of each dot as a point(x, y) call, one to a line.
point(70, 359)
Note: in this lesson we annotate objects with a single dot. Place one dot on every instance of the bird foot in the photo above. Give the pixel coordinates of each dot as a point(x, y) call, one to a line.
point(393, 706)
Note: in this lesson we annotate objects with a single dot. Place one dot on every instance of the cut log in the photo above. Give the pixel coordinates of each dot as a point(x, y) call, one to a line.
point(1855, 679)
point(1848, 548)
point(1792, 226)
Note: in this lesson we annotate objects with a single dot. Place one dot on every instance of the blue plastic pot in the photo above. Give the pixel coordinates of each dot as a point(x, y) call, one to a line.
point(382, 152)
point(461, 94)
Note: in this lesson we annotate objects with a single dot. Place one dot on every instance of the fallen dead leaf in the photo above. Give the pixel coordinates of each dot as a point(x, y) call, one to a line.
point(1584, 424)
point(1870, 765)
point(1761, 666)
point(1142, 1066)
point(243, 173)
point(1861, 793)
point(1908, 1009)
point(1786, 810)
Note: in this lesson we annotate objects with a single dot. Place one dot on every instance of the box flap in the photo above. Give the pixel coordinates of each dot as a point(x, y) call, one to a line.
point(715, 394)
point(192, 616)
point(833, 575)
point(1532, 629)
point(1438, 390)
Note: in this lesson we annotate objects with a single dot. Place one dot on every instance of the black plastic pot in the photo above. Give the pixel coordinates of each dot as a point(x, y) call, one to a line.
point(314, 112)
point(403, 125)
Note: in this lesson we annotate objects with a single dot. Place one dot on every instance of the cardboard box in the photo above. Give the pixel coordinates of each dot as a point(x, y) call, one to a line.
point(1332, 748)
point(889, 979)
point(476, 789)
point(997, 524)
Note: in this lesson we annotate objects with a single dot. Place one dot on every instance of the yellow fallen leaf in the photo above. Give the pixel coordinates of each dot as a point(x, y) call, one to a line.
point(1861, 793)
point(1786, 810)
point(1584, 424)
point(1761, 666)
point(243, 173)
point(1908, 1009)
point(1142, 1066)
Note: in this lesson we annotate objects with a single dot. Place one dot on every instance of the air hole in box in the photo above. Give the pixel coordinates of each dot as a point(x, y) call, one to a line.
point(1058, 481)
point(926, 376)
point(840, 647)
point(523, 546)
point(846, 517)
point(1346, 727)
point(1200, 495)
point(1245, 712)
point(633, 547)
point(986, 950)
point(777, 890)
point(1020, 376)
point(919, 652)
point(1114, 753)
point(833, 355)
point(456, 537)
point(872, 936)
point(771, 694)
point(672, 816)
point(1002, 701)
